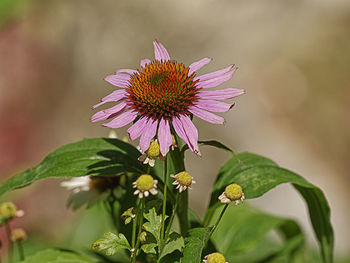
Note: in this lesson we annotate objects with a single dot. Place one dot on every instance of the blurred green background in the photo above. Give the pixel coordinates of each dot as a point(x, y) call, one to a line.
point(293, 59)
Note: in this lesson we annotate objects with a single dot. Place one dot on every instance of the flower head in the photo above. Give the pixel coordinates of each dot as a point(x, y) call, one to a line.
point(162, 94)
point(215, 258)
point(183, 180)
point(18, 234)
point(8, 210)
point(233, 192)
point(151, 154)
point(144, 185)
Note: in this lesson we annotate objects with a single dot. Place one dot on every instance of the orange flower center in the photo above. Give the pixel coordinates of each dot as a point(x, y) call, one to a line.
point(162, 89)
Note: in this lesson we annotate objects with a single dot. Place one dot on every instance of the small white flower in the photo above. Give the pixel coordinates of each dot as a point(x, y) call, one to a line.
point(183, 180)
point(150, 156)
point(233, 192)
point(145, 185)
point(77, 184)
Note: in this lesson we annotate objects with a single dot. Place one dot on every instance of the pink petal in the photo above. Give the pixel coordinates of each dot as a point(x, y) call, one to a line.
point(122, 120)
point(214, 74)
point(198, 64)
point(160, 53)
point(213, 105)
point(214, 82)
point(206, 115)
point(127, 71)
point(184, 127)
point(164, 136)
point(116, 95)
point(137, 128)
point(119, 80)
point(221, 94)
point(144, 62)
point(109, 113)
point(150, 130)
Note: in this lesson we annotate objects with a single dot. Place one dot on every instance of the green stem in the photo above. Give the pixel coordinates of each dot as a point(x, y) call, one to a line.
point(217, 223)
point(134, 225)
point(172, 218)
point(111, 203)
point(165, 178)
point(20, 250)
point(140, 219)
point(8, 231)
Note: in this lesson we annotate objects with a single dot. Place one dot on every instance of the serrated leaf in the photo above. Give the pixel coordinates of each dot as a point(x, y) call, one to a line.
point(175, 242)
point(154, 223)
point(111, 243)
point(57, 256)
point(97, 156)
point(257, 175)
point(194, 245)
point(149, 248)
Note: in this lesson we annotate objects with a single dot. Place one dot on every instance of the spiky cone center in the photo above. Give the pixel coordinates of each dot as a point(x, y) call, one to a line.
point(162, 89)
point(234, 192)
point(8, 210)
point(215, 258)
point(184, 178)
point(145, 183)
point(153, 151)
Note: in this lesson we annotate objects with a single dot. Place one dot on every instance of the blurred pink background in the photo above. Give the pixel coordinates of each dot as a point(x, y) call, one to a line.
point(293, 59)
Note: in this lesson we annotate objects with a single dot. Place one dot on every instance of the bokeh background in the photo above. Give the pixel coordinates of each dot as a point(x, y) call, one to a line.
point(293, 59)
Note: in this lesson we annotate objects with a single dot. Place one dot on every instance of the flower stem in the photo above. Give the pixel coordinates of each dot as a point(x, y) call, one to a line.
point(217, 223)
point(164, 203)
point(8, 231)
point(172, 218)
point(140, 219)
point(111, 203)
point(134, 225)
point(20, 250)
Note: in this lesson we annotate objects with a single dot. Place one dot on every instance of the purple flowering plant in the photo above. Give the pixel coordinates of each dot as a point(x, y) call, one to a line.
point(144, 190)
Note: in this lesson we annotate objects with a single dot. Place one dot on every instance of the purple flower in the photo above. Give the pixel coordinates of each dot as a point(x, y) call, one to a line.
point(160, 97)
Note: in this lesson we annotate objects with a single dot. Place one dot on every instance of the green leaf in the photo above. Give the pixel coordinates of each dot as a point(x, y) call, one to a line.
point(149, 248)
point(243, 227)
point(213, 143)
point(175, 242)
point(154, 223)
point(57, 256)
point(111, 243)
point(98, 156)
point(257, 175)
point(194, 245)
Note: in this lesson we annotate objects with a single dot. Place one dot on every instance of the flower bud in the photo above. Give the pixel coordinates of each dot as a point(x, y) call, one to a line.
point(18, 234)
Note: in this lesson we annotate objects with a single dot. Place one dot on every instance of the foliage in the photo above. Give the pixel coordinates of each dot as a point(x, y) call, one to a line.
point(241, 233)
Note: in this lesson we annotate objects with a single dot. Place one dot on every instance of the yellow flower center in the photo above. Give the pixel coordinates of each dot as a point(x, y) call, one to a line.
point(233, 192)
point(174, 140)
point(184, 178)
point(8, 210)
point(18, 234)
point(216, 258)
point(153, 150)
point(145, 182)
